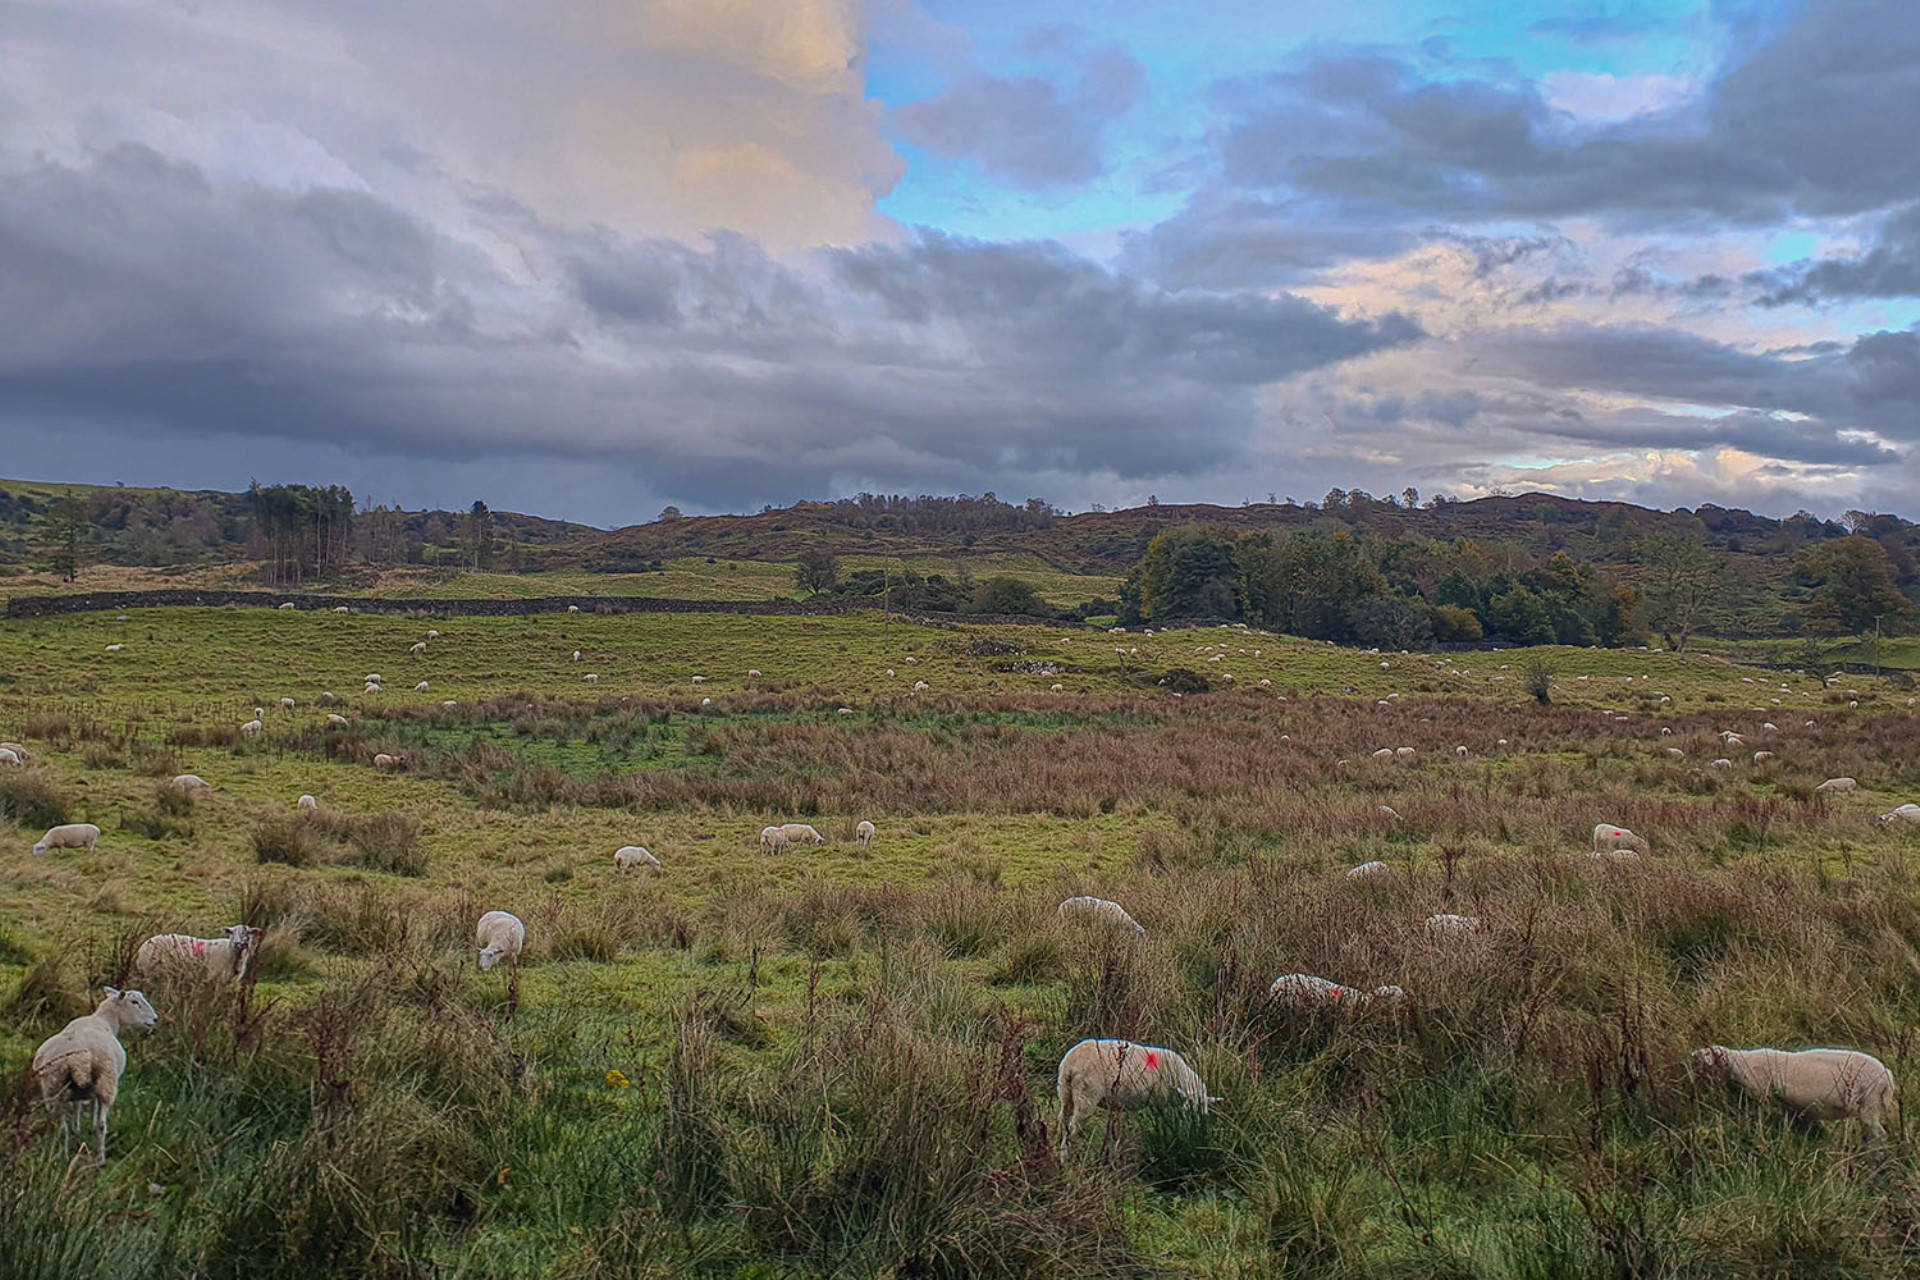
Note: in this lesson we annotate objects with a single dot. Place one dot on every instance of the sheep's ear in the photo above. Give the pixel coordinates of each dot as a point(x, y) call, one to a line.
point(1212, 1100)
point(113, 993)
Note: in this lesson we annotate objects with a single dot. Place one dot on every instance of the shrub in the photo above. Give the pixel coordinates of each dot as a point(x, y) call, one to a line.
point(287, 840)
point(388, 842)
point(30, 799)
point(1184, 680)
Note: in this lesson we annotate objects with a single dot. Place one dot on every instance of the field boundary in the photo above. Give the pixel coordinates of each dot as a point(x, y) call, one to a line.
point(19, 607)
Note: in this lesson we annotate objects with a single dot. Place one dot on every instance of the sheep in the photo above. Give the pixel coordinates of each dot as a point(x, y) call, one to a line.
point(1388, 812)
point(1613, 855)
point(9, 759)
point(1450, 925)
point(1109, 912)
point(223, 959)
point(699, 679)
point(577, 655)
point(433, 635)
point(1761, 757)
point(1836, 785)
point(592, 677)
point(115, 648)
point(421, 687)
point(1607, 836)
point(287, 605)
point(844, 711)
point(307, 804)
point(259, 713)
point(1384, 753)
point(336, 721)
point(1369, 871)
point(1903, 813)
point(1403, 753)
point(384, 763)
point(799, 832)
point(340, 608)
point(448, 705)
point(921, 686)
point(1058, 688)
point(1723, 763)
point(753, 673)
point(499, 936)
point(706, 702)
point(629, 856)
point(254, 728)
point(83, 1062)
point(1123, 1076)
point(1676, 753)
point(24, 754)
point(1814, 1084)
point(1305, 992)
point(326, 699)
point(774, 840)
point(187, 784)
point(419, 647)
point(69, 835)
point(864, 833)
point(374, 677)
point(1460, 751)
point(573, 608)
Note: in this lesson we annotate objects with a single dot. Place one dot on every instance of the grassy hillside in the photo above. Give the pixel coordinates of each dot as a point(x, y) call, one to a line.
point(837, 1061)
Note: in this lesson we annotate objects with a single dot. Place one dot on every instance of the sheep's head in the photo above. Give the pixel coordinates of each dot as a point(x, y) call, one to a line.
point(489, 957)
point(1711, 1061)
point(246, 940)
point(127, 1009)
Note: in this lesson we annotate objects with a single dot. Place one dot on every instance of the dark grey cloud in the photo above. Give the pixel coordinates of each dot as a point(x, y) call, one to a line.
point(1030, 130)
point(135, 292)
point(1890, 269)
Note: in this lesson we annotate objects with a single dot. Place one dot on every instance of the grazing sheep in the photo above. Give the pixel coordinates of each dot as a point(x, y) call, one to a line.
point(1607, 836)
point(336, 721)
point(1723, 763)
point(753, 673)
point(374, 677)
point(419, 647)
point(1369, 871)
point(372, 688)
point(1403, 753)
point(287, 605)
point(499, 936)
point(307, 804)
point(433, 635)
point(1460, 750)
point(1304, 992)
point(384, 763)
point(1814, 1084)
point(1761, 757)
point(844, 711)
point(1450, 925)
point(699, 679)
point(1676, 753)
point(224, 959)
point(1058, 688)
point(115, 648)
point(706, 702)
point(1108, 912)
point(288, 704)
point(1613, 855)
point(1384, 753)
point(577, 655)
point(573, 608)
point(1903, 813)
point(800, 832)
point(259, 713)
point(340, 608)
point(629, 856)
point(1390, 813)
point(921, 686)
point(18, 750)
point(1836, 785)
point(774, 840)
point(1123, 1076)
point(864, 833)
point(69, 835)
point(9, 758)
point(83, 1062)
point(421, 687)
point(187, 784)
point(592, 677)
point(254, 728)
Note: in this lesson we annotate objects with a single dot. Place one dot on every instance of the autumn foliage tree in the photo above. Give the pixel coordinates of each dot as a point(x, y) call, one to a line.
point(1854, 582)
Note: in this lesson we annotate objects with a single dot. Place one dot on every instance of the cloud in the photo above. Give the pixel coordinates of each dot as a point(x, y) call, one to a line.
point(1030, 130)
point(1890, 269)
point(135, 293)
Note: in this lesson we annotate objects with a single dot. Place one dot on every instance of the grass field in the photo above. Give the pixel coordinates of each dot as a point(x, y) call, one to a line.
point(839, 1061)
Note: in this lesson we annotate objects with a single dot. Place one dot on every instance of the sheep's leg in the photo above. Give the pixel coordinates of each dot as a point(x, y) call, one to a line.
point(99, 1133)
point(1069, 1118)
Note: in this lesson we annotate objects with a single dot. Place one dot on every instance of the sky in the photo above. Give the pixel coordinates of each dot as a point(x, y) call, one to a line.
point(588, 258)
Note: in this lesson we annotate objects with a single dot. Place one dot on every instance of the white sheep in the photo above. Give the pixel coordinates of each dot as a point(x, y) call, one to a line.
point(1676, 753)
point(592, 677)
point(340, 608)
point(9, 758)
point(499, 936)
point(433, 635)
point(1369, 871)
point(336, 721)
point(800, 832)
point(421, 687)
point(307, 804)
point(83, 1062)
point(577, 655)
point(1607, 836)
point(223, 959)
point(921, 686)
point(384, 763)
point(254, 728)
point(753, 673)
point(864, 833)
point(1903, 813)
point(1123, 1076)
point(288, 704)
point(1761, 757)
point(287, 605)
point(372, 688)
point(1450, 925)
point(18, 750)
point(1058, 688)
point(188, 784)
point(573, 608)
point(1403, 753)
point(1107, 912)
point(844, 711)
point(115, 648)
point(419, 647)
point(1388, 812)
point(1836, 785)
point(1816, 1084)
point(69, 835)
point(629, 856)
point(374, 677)
point(1384, 753)
point(259, 713)
point(1305, 992)
point(699, 679)
point(774, 840)
point(1723, 763)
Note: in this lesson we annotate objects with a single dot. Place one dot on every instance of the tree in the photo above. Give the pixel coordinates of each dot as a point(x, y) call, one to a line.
point(817, 571)
point(1186, 573)
point(480, 534)
point(1390, 622)
point(1854, 582)
point(69, 528)
point(1450, 622)
point(1520, 616)
point(1681, 581)
point(1007, 595)
point(1308, 584)
point(669, 513)
point(302, 531)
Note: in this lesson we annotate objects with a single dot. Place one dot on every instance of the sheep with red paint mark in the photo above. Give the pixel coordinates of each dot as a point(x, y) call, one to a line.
point(1120, 1075)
